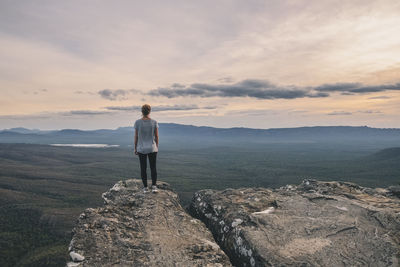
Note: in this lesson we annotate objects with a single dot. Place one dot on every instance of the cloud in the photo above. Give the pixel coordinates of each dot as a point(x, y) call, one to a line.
point(339, 113)
point(370, 111)
point(159, 108)
point(344, 113)
point(337, 87)
point(42, 115)
point(297, 111)
point(108, 111)
point(116, 94)
point(263, 89)
point(255, 112)
point(123, 108)
point(35, 92)
point(227, 79)
point(40, 91)
point(80, 92)
point(260, 89)
point(380, 97)
point(84, 112)
point(49, 114)
point(356, 88)
point(180, 107)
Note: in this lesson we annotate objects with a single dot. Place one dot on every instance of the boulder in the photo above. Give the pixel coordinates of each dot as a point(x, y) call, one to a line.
point(134, 228)
point(313, 224)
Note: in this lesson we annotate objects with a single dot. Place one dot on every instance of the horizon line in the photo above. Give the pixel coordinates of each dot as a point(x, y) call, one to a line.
point(236, 127)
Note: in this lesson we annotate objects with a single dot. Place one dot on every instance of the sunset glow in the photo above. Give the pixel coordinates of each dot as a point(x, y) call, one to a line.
point(259, 64)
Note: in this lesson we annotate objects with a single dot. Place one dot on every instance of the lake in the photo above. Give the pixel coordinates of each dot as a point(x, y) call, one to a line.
point(86, 145)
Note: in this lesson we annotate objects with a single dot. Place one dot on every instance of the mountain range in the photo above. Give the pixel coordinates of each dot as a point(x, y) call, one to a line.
point(171, 133)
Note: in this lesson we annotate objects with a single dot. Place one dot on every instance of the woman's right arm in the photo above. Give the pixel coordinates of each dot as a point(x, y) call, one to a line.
point(156, 136)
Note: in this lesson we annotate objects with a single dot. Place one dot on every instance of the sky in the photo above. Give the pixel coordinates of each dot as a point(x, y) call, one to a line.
point(91, 64)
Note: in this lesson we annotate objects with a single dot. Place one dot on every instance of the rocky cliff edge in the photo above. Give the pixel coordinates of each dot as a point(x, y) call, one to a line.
point(312, 224)
point(142, 229)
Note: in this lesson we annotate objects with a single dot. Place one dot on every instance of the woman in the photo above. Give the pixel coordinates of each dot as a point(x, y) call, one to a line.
point(146, 144)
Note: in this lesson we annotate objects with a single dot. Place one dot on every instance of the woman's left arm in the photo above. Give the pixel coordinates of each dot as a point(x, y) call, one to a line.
point(136, 141)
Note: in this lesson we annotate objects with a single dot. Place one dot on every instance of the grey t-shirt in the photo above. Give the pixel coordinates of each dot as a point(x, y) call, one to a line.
point(146, 136)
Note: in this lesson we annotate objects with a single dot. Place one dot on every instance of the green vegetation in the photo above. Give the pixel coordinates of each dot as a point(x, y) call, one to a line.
point(43, 189)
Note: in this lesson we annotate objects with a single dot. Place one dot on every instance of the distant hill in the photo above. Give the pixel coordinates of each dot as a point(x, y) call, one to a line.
point(24, 130)
point(172, 133)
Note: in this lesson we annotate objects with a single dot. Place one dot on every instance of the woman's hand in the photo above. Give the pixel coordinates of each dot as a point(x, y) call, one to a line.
point(136, 153)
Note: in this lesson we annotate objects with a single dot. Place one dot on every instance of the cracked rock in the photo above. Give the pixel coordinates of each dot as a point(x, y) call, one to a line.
point(313, 224)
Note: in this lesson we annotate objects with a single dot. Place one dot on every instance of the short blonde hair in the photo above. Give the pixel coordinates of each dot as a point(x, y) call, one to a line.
point(146, 109)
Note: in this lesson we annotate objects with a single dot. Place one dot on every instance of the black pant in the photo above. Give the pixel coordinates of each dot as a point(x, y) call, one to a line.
point(143, 167)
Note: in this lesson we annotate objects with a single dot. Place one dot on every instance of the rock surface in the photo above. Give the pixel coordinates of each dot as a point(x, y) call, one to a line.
point(142, 229)
point(313, 224)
